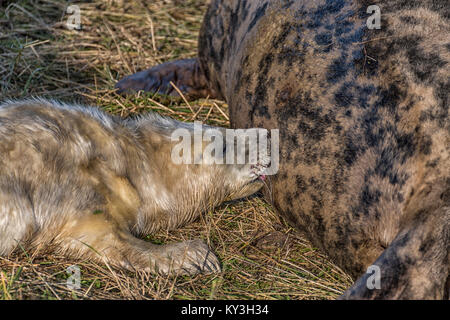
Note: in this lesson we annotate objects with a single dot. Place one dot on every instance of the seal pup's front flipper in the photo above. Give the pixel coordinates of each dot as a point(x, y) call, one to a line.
point(100, 239)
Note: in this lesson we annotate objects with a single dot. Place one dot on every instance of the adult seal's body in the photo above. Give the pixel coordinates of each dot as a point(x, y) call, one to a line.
point(363, 119)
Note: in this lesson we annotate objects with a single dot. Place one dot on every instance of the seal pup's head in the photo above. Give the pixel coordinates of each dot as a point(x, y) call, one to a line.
point(244, 176)
point(204, 164)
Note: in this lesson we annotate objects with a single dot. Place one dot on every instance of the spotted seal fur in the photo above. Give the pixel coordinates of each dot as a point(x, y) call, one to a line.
point(363, 120)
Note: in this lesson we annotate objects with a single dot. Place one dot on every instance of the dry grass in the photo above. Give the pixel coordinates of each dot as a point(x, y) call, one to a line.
point(263, 258)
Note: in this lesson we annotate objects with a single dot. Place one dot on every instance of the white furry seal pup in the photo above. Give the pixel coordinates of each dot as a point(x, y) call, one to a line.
point(90, 184)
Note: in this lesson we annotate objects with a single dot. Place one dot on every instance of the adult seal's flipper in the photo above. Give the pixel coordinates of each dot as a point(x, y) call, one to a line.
point(185, 74)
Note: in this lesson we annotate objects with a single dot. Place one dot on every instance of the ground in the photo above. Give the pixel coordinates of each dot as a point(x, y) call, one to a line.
point(262, 256)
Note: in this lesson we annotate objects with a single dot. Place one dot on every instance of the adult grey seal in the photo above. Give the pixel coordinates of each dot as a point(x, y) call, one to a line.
point(362, 109)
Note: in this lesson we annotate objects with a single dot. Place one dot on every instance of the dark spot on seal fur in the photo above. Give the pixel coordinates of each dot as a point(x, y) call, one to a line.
point(258, 14)
point(324, 40)
point(344, 97)
point(337, 69)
